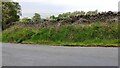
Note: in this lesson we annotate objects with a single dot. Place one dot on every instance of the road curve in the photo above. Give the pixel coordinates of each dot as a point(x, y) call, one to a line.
point(44, 55)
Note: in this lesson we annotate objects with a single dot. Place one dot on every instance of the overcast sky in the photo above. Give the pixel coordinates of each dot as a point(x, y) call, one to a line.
point(54, 7)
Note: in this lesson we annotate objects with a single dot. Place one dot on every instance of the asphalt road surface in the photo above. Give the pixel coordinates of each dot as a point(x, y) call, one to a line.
point(44, 55)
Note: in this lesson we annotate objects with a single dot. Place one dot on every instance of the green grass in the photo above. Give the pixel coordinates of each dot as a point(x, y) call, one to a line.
point(0, 36)
point(93, 34)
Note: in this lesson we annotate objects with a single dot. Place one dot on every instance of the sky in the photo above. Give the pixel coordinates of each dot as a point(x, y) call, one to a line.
point(47, 8)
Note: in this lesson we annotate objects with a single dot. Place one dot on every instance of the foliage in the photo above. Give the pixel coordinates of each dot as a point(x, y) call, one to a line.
point(10, 13)
point(77, 13)
point(52, 17)
point(36, 17)
point(25, 19)
point(96, 33)
point(86, 17)
point(92, 12)
point(77, 27)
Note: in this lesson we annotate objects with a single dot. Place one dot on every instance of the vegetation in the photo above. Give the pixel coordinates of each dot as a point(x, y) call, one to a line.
point(71, 28)
point(36, 17)
point(25, 19)
point(10, 13)
point(96, 33)
point(0, 36)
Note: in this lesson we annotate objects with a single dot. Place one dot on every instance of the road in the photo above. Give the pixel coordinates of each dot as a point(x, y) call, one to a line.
point(44, 55)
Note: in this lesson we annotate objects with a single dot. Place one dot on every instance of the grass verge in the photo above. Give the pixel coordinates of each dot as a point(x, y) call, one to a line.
point(95, 34)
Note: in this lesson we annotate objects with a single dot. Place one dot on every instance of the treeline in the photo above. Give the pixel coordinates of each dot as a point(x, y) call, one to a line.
point(77, 17)
point(91, 16)
point(11, 12)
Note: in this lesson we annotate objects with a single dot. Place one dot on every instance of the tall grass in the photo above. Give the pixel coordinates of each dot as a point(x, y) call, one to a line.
point(0, 36)
point(95, 33)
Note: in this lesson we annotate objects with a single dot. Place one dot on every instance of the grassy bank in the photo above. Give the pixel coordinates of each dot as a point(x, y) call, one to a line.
point(0, 36)
point(95, 33)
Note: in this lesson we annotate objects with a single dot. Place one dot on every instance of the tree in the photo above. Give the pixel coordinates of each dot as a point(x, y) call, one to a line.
point(25, 20)
point(10, 13)
point(92, 12)
point(82, 13)
point(36, 17)
point(52, 17)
